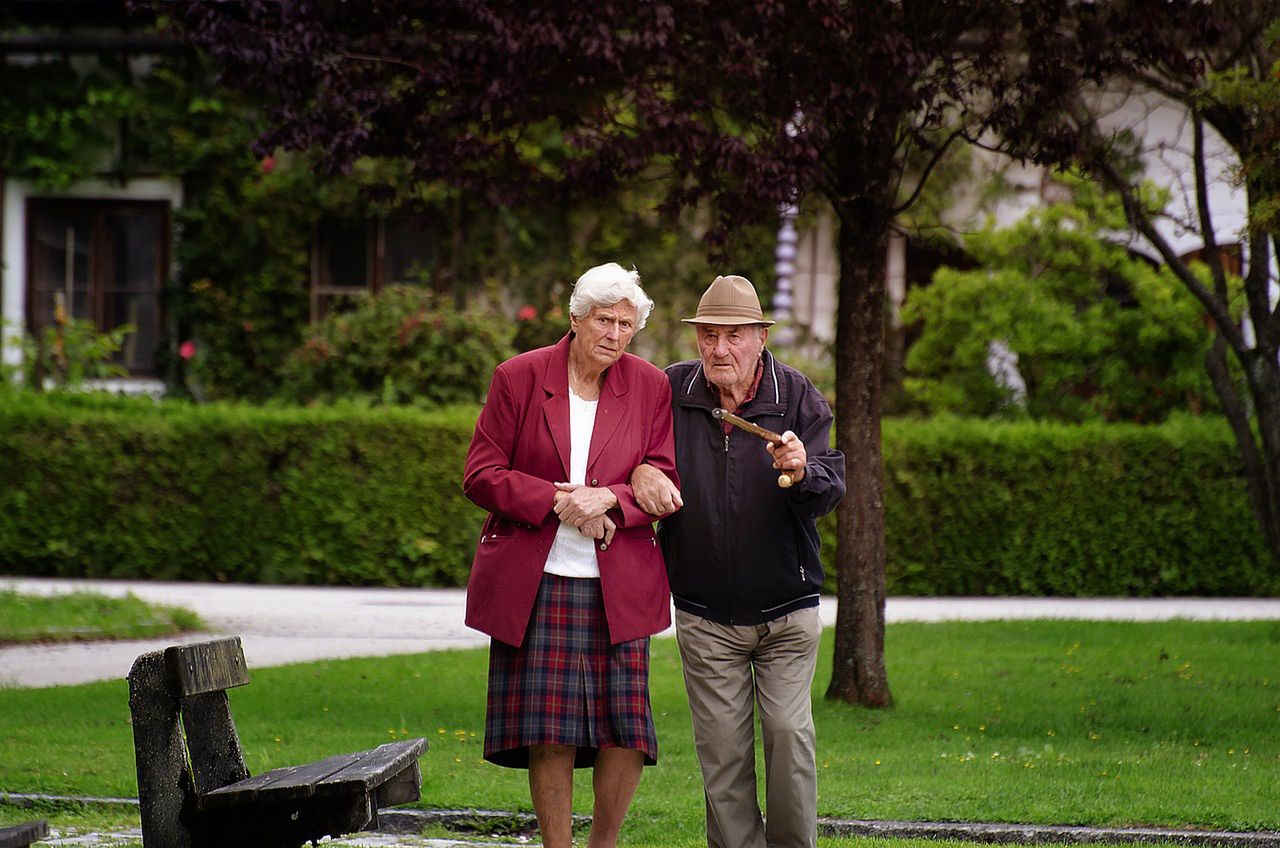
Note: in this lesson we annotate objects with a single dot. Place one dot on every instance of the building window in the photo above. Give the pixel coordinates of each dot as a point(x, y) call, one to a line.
point(108, 259)
point(356, 255)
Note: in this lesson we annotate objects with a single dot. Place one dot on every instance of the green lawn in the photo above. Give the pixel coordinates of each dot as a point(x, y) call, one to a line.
point(82, 616)
point(1047, 722)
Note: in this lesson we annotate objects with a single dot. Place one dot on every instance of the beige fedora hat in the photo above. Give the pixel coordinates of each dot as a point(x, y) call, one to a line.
point(729, 300)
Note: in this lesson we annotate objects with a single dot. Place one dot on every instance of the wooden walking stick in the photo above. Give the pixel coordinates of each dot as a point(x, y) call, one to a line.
point(784, 479)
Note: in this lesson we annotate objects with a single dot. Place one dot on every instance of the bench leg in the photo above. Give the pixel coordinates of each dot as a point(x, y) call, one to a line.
point(401, 789)
point(163, 797)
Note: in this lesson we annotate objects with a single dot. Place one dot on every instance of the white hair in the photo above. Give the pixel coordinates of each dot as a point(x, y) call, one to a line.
point(605, 285)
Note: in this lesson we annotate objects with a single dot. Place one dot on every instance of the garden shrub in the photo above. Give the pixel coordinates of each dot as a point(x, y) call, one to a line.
point(1098, 333)
point(94, 486)
point(977, 507)
point(404, 345)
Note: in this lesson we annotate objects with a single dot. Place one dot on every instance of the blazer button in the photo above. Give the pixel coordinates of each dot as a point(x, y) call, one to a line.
point(604, 546)
point(595, 482)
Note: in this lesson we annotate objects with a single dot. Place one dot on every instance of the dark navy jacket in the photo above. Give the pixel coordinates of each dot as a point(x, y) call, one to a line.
point(743, 550)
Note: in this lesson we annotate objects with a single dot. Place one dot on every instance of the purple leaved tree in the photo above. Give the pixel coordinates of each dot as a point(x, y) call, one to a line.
point(738, 104)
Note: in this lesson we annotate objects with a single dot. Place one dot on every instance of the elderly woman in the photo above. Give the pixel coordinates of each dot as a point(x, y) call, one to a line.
point(568, 579)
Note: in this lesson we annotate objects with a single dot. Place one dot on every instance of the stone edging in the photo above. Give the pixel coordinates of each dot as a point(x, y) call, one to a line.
point(510, 823)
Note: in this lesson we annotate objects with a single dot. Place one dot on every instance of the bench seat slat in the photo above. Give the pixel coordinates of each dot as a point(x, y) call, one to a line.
point(282, 784)
point(373, 768)
point(336, 775)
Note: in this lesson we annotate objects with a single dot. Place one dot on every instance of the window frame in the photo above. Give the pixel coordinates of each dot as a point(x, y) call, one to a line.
point(375, 252)
point(100, 254)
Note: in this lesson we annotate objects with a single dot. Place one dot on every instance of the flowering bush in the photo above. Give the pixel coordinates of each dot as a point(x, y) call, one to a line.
point(536, 329)
point(404, 345)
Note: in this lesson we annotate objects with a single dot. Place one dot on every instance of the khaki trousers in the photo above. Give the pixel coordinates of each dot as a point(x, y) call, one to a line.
point(727, 671)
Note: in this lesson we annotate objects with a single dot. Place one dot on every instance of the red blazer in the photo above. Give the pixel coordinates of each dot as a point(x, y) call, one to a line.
point(520, 448)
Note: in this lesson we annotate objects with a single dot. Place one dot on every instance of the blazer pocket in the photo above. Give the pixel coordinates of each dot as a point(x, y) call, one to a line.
point(495, 530)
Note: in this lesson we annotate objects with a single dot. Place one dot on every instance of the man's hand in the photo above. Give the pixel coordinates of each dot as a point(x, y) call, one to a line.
point(576, 504)
point(654, 491)
point(599, 528)
point(790, 456)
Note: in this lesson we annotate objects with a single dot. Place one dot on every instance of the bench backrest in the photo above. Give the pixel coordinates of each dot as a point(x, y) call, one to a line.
point(207, 667)
point(184, 737)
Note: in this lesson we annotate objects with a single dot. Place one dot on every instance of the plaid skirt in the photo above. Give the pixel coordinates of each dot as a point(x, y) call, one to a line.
point(566, 685)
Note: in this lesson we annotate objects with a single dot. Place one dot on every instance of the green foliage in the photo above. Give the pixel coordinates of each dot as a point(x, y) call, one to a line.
point(535, 329)
point(58, 124)
point(1098, 332)
point(243, 235)
point(1253, 90)
point(245, 230)
point(403, 345)
point(93, 485)
point(978, 507)
point(114, 487)
point(72, 352)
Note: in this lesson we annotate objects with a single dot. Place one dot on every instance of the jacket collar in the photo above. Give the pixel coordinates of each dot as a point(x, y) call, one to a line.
point(770, 399)
point(555, 381)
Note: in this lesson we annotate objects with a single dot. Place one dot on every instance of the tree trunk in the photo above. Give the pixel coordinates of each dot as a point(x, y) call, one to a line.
point(858, 671)
point(1255, 468)
point(1263, 375)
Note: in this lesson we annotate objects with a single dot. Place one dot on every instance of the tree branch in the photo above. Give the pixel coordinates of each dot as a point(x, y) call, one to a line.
point(1237, 416)
point(1141, 221)
point(389, 60)
point(924, 176)
point(1212, 257)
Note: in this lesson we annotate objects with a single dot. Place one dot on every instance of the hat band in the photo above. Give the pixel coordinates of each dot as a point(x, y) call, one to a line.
point(731, 310)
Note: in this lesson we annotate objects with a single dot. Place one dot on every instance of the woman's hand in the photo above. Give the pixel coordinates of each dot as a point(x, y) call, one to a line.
point(577, 504)
point(599, 528)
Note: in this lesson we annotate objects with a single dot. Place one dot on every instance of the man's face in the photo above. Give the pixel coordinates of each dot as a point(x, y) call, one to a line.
point(729, 353)
point(604, 333)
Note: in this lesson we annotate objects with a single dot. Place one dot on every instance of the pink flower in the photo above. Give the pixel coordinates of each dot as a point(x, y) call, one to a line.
point(268, 164)
point(527, 313)
point(187, 349)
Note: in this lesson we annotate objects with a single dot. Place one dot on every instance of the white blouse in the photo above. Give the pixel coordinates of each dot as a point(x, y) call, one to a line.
point(573, 554)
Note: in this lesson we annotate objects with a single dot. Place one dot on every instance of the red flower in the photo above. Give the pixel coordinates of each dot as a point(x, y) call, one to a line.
point(527, 313)
point(187, 349)
point(268, 164)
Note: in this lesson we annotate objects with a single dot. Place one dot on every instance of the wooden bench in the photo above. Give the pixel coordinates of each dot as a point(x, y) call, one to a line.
point(193, 787)
point(22, 835)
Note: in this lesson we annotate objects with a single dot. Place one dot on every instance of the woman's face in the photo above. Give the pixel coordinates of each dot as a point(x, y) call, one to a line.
point(604, 333)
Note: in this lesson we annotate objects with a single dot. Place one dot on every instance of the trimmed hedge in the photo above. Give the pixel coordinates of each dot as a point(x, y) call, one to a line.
point(981, 508)
point(102, 487)
point(134, 489)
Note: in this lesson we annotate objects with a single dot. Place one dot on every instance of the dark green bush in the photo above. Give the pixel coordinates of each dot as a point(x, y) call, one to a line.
point(104, 487)
point(134, 489)
point(982, 508)
point(404, 345)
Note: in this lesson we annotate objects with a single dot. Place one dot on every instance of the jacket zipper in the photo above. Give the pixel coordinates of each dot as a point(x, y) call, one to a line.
point(724, 527)
point(803, 573)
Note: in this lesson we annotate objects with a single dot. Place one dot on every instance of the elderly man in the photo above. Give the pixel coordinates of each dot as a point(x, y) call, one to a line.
point(742, 557)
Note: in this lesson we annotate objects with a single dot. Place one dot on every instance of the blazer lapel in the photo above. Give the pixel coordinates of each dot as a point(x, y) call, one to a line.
point(555, 409)
point(609, 412)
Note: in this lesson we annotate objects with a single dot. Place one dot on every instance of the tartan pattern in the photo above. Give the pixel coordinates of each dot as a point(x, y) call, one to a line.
point(567, 685)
